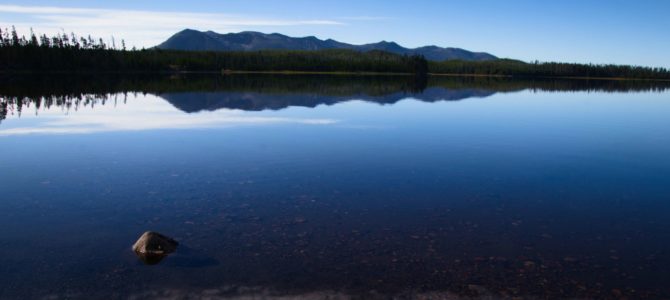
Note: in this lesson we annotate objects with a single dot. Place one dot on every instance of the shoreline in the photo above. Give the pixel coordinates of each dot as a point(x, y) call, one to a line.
point(334, 73)
point(551, 77)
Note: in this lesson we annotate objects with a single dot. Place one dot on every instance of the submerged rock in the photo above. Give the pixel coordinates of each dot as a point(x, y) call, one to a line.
point(152, 247)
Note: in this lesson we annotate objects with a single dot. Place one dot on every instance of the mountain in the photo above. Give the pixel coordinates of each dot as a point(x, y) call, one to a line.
point(194, 40)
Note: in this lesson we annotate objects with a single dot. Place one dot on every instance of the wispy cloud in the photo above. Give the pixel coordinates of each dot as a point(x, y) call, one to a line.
point(137, 27)
point(366, 18)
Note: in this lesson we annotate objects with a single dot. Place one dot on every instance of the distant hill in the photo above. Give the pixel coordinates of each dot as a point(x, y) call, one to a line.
point(194, 40)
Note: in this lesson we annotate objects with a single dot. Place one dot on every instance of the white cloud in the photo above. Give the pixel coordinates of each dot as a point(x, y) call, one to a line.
point(137, 27)
point(44, 9)
point(366, 18)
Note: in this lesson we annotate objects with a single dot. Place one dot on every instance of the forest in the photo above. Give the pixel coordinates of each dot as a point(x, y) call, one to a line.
point(72, 53)
point(509, 67)
point(68, 52)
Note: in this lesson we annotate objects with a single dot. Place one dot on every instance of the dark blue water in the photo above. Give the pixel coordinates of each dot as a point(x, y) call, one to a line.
point(520, 191)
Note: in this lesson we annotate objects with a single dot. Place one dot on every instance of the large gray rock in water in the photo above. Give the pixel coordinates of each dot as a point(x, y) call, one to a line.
point(152, 247)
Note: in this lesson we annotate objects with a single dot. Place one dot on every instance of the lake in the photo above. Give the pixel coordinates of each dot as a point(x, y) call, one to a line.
point(334, 186)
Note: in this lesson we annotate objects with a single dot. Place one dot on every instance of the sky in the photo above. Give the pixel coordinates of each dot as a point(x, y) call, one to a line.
point(584, 31)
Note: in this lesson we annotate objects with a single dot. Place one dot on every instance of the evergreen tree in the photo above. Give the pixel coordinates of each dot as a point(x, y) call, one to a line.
point(15, 37)
point(75, 41)
point(44, 41)
point(33, 39)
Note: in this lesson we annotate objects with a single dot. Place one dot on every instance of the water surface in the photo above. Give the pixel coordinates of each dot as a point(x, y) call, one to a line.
point(351, 186)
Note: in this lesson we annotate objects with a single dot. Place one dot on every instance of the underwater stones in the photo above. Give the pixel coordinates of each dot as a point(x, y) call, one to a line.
point(152, 247)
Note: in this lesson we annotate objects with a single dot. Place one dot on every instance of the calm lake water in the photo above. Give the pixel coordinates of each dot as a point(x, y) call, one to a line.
point(314, 186)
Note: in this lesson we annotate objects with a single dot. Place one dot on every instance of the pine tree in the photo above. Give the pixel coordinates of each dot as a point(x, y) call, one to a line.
point(33, 39)
point(5, 37)
point(15, 37)
point(56, 42)
point(66, 40)
point(75, 41)
point(44, 41)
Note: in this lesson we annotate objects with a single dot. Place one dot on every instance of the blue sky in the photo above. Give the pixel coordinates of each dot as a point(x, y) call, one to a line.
point(612, 31)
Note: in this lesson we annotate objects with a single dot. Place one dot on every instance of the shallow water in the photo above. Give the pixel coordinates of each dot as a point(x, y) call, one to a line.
point(335, 186)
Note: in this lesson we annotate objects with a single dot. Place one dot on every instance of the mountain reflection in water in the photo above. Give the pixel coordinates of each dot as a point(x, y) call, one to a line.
point(198, 92)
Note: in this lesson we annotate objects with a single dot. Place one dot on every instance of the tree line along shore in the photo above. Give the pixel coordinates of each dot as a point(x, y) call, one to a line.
point(72, 53)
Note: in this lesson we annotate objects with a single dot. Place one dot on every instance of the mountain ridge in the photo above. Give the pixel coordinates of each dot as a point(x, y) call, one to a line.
point(194, 40)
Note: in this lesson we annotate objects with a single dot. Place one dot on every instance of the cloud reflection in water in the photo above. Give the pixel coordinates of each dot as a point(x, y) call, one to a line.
point(145, 112)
